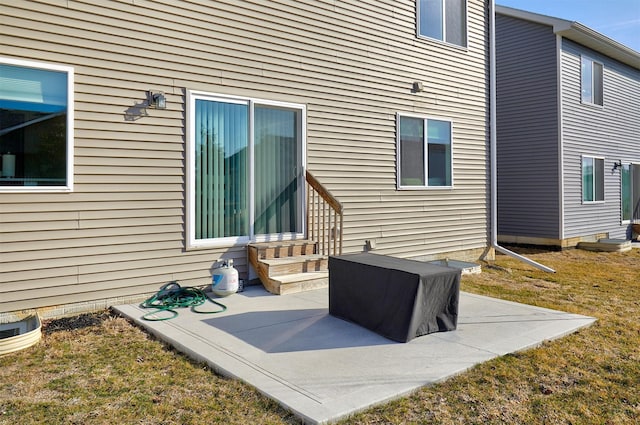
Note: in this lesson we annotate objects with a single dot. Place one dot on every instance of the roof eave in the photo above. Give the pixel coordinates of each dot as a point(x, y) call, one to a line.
point(579, 33)
point(600, 43)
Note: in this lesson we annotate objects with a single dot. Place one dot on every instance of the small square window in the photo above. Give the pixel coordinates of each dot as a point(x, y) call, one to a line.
point(444, 20)
point(424, 152)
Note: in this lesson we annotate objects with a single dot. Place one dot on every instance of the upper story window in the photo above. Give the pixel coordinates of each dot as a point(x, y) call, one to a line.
point(592, 179)
point(424, 152)
point(36, 126)
point(591, 81)
point(444, 20)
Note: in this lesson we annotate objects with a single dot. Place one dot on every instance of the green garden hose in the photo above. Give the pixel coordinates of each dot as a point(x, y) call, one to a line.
point(172, 296)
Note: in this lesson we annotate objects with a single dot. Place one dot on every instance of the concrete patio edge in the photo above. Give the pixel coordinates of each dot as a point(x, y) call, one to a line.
point(324, 369)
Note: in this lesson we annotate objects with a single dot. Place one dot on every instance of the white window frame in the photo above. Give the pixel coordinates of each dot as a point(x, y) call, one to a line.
point(595, 201)
point(444, 25)
point(191, 241)
point(628, 164)
point(68, 187)
point(593, 62)
point(426, 186)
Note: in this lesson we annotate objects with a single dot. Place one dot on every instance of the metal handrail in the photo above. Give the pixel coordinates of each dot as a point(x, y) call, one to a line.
point(319, 220)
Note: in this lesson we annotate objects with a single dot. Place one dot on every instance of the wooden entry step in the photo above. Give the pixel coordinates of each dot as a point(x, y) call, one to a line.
point(282, 249)
point(286, 267)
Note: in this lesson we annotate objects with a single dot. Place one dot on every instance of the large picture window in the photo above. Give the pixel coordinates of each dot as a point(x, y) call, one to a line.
point(591, 81)
point(592, 179)
point(245, 170)
point(444, 20)
point(424, 152)
point(36, 126)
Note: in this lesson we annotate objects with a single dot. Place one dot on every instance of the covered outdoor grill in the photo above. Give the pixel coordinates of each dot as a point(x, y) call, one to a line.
point(397, 298)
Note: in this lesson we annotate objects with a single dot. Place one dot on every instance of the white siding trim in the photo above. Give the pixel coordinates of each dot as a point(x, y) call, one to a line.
point(560, 136)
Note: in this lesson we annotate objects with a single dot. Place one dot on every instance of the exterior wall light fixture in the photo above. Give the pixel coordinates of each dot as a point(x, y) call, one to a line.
point(156, 99)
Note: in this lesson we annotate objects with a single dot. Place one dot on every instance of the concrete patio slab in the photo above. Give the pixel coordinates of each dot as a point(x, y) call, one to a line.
point(324, 369)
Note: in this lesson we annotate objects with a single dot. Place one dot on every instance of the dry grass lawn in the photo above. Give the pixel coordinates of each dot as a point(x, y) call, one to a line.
point(99, 369)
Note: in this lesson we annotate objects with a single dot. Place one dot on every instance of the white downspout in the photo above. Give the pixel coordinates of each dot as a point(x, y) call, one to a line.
point(493, 145)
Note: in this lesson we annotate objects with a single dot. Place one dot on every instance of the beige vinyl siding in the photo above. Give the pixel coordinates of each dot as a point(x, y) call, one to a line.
point(352, 63)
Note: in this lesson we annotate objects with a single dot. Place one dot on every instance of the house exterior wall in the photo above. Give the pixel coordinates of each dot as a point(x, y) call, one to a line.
point(527, 130)
point(611, 131)
point(121, 232)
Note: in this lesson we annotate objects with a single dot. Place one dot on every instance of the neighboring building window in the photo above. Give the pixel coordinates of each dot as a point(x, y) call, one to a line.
point(245, 169)
point(424, 152)
point(592, 179)
point(444, 20)
point(36, 126)
point(625, 192)
point(592, 76)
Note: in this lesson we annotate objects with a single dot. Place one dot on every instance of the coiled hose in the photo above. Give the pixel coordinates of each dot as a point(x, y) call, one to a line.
point(172, 296)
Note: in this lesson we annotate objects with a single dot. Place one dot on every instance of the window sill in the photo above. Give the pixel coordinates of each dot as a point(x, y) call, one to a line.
point(15, 185)
point(592, 105)
point(437, 41)
point(193, 245)
point(401, 188)
point(240, 241)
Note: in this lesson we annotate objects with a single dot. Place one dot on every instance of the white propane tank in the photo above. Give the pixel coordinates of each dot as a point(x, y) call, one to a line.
point(225, 280)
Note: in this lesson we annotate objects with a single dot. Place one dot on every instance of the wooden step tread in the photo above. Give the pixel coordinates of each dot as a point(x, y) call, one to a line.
point(293, 260)
point(301, 277)
point(277, 244)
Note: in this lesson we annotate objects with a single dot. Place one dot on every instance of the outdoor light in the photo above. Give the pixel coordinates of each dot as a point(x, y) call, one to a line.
point(157, 99)
point(417, 87)
point(617, 165)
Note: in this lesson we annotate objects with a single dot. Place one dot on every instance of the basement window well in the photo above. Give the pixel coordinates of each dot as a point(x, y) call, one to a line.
point(18, 334)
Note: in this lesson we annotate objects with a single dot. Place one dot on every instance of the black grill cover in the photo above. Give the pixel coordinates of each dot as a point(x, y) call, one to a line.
point(397, 298)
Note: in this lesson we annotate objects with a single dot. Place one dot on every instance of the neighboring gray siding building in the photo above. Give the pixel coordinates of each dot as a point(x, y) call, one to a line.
point(568, 132)
point(103, 195)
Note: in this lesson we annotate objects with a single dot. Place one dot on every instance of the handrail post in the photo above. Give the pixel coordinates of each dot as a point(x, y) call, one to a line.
point(318, 197)
point(341, 227)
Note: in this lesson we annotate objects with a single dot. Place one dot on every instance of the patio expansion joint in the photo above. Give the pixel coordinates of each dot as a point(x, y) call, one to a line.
point(519, 320)
point(585, 321)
